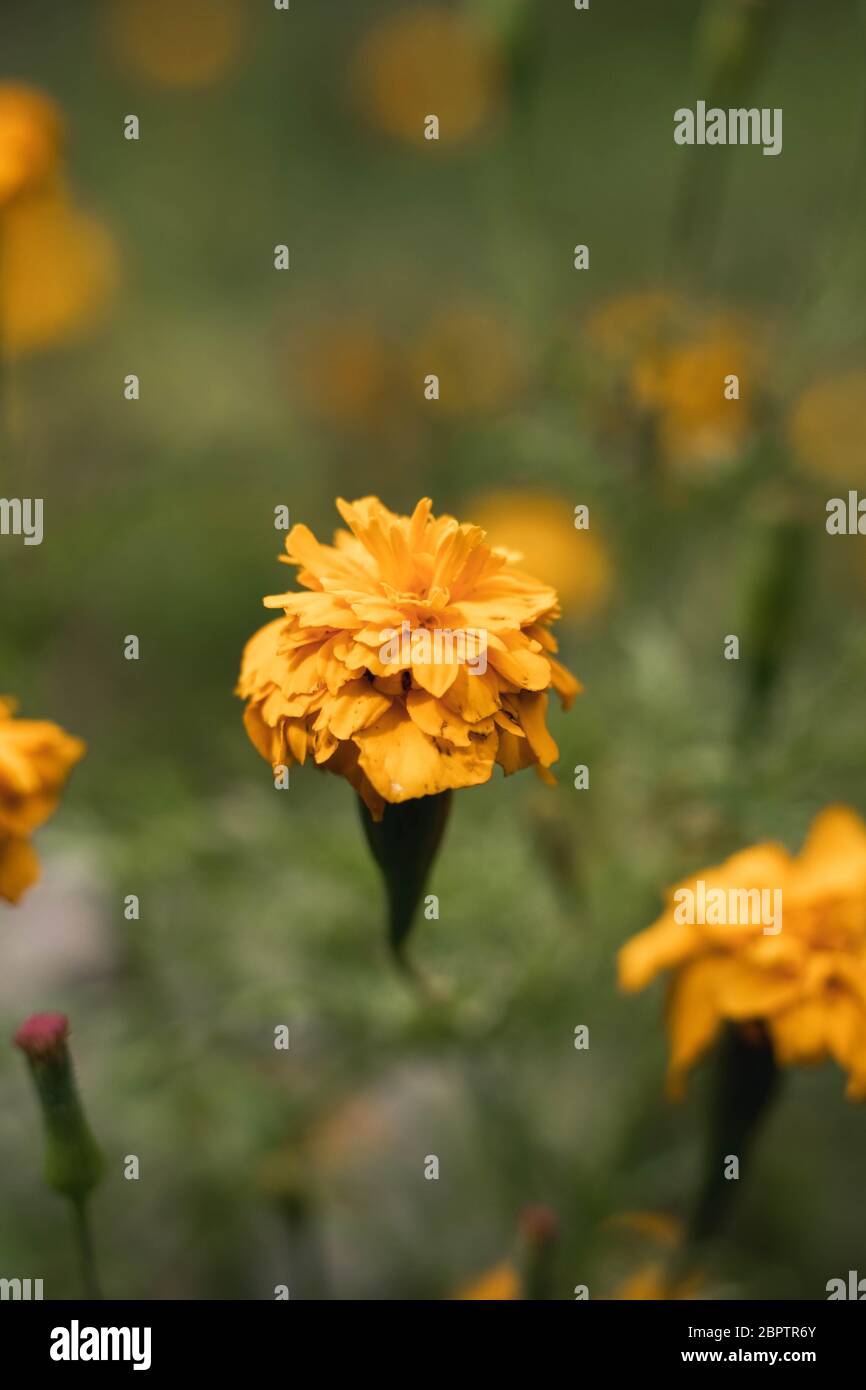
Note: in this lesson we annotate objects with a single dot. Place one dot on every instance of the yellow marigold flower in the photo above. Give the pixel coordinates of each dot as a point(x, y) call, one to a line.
point(656, 1278)
point(682, 386)
point(805, 983)
point(669, 358)
point(526, 1275)
point(30, 137)
point(827, 426)
point(657, 1226)
point(500, 1283)
point(364, 673)
point(422, 61)
point(36, 758)
point(540, 530)
point(653, 1283)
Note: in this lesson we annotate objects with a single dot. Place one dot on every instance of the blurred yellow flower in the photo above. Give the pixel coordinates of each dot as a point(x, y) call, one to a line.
point(655, 1279)
point(539, 531)
point(477, 356)
point(620, 328)
point(340, 371)
point(357, 673)
point(803, 979)
point(57, 271)
point(527, 1274)
point(498, 1284)
point(653, 1282)
point(30, 138)
point(669, 360)
point(425, 60)
point(682, 387)
point(185, 44)
point(657, 1226)
point(345, 371)
point(36, 758)
point(828, 425)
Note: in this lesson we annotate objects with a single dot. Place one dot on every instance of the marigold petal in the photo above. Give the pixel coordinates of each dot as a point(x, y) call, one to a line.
point(402, 762)
point(19, 868)
point(693, 1017)
point(356, 707)
point(666, 943)
point(532, 710)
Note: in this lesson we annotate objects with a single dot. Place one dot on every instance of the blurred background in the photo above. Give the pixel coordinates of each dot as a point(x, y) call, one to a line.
point(559, 387)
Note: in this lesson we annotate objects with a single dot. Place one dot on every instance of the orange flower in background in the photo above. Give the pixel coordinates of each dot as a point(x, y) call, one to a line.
point(499, 1284)
point(423, 61)
point(36, 758)
point(682, 386)
point(30, 137)
point(656, 1279)
point(57, 264)
point(418, 658)
point(621, 328)
point(658, 1227)
point(827, 427)
point(527, 1273)
point(347, 369)
point(670, 360)
point(795, 963)
point(653, 1283)
point(184, 44)
point(57, 273)
point(539, 530)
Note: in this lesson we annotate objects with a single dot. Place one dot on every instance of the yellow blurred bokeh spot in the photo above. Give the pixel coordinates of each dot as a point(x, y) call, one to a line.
point(31, 131)
point(184, 44)
point(540, 528)
point(499, 1284)
point(682, 385)
point(827, 427)
point(58, 268)
point(652, 1283)
point(425, 60)
point(662, 359)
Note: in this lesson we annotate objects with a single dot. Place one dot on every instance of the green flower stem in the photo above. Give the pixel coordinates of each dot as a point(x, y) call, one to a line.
point(404, 844)
point(746, 1083)
point(84, 1243)
point(734, 41)
point(776, 582)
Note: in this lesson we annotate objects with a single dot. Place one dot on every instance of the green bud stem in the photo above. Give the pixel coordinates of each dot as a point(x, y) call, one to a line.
point(404, 844)
point(73, 1162)
point(746, 1082)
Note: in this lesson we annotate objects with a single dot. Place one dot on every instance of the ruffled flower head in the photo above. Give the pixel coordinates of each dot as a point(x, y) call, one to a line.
point(803, 978)
point(417, 657)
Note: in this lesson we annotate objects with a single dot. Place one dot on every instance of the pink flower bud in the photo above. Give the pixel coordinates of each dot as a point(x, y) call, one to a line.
point(43, 1036)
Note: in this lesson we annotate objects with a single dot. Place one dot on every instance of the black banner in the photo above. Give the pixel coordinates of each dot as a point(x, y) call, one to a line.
point(158, 1338)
